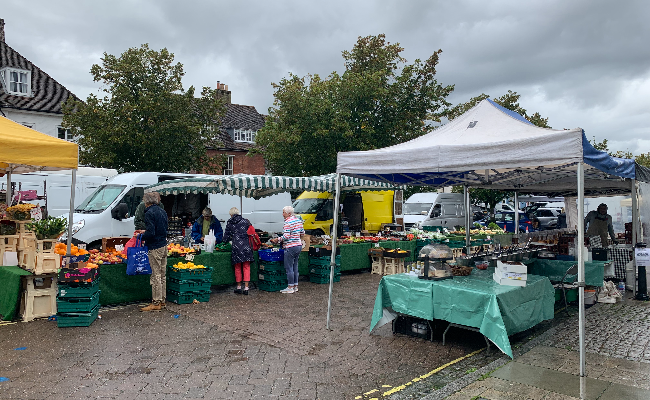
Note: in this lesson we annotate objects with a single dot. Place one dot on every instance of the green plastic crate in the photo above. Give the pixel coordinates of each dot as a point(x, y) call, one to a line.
point(272, 286)
point(317, 270)
point(189, 285)
point(189, 274)
point(77, 304)
point(324, 260)
point(66, 320)
point(272, 275)
point(78, 289)
point(188, 297)
point(271, 266)
point(323, 279)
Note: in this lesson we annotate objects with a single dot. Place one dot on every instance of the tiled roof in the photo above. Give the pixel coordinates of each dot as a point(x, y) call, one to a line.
point(48, 94)
point(239, 117)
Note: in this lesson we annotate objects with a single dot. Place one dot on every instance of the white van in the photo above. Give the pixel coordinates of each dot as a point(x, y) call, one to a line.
point(417, 208)
point(54, 187)
point(448, 211)
point(93, 220)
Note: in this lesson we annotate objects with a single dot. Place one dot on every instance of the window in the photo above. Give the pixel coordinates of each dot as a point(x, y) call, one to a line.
point(228, 167)
point(64, 134)
point(16, 81)
point(245, 135)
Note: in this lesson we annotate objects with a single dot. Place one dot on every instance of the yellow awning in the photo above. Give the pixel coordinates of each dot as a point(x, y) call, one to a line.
point(25, 149)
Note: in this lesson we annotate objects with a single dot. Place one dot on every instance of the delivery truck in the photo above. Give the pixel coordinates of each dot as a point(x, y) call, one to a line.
point(362, 211)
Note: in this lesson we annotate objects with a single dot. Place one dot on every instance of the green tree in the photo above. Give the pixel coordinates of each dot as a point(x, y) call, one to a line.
point(145, 121)
point(378, 101)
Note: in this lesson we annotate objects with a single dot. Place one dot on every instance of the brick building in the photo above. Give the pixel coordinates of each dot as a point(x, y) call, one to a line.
point(237, 133)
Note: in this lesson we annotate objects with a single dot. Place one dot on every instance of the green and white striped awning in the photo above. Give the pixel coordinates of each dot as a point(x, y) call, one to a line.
point(258, 186)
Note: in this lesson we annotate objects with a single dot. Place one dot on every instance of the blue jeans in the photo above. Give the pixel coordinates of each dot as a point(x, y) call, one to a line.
point(291, 256)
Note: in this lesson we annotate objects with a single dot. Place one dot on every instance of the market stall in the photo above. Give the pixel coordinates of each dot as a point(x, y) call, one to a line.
point(25, 150)
point(494, 148)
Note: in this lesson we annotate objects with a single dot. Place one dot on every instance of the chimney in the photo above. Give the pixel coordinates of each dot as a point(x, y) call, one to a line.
point(2, 30)
point(223, 91)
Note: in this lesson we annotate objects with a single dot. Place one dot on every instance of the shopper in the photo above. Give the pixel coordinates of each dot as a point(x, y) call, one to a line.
point(290, 239)
point(242, 254)
point(599, 223)
point(204, 224)
point(139, 217)
point(155, 237)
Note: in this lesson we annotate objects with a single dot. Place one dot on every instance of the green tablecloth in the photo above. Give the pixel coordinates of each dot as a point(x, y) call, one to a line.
point(475, 301)
point(555, 270)
point(10, 291)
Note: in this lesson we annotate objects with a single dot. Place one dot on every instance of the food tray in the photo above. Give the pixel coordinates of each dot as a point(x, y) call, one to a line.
point(461, 271)
point(77, 304)
point(65, 320)
point(189, 274)
point(188, 297)
point(271, 255)
point(189, 285)
point(393, 253)
point(272, 286)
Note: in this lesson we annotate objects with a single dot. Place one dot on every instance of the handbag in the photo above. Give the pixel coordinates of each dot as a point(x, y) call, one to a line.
point(253, 238)
point(137, 259)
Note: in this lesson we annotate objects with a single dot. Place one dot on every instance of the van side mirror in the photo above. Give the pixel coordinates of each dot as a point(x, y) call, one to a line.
point(120, 212)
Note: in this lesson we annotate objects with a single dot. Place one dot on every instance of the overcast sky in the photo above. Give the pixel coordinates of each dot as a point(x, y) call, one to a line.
point(581, 63)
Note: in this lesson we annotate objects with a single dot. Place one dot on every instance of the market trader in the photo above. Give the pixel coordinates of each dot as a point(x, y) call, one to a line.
point(292, 243)
point(155, 237)
point(599, 223)
point(204, 224)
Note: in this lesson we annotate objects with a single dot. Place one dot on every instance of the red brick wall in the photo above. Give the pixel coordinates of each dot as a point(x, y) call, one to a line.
point(243, 163)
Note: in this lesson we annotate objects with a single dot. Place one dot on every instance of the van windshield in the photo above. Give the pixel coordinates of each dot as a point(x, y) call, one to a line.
point(417, 208)
point(100, 199)
point(308, 206)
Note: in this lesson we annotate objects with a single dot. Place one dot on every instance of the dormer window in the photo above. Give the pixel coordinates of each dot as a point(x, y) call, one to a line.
point(16, 81)
point(245, 135)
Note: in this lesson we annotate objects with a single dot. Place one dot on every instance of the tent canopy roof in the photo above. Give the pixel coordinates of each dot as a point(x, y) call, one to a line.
point(495, 148)
point(258, 186)
point(23, 149)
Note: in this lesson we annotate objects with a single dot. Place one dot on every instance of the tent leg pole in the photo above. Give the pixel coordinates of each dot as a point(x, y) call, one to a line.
point(9, 192)
point(333, 256)
point(581, 266)
point(468, 213)
point(71, 213)
point(635, 226)
point(516, 214)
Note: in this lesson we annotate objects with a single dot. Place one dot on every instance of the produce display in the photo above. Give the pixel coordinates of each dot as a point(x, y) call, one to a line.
point(187, 265)
point(20, 212)
point(62, 248)
point(223, 247)
point(110, 257)
point(176, 250)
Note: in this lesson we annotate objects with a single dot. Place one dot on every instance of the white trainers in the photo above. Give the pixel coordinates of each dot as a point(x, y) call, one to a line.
point(295, 289)
point(287, 290)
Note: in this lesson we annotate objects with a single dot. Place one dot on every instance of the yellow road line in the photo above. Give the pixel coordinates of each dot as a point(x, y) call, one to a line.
point(428, 374)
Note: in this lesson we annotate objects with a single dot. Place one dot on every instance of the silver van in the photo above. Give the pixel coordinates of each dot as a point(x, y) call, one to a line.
point(448, 211)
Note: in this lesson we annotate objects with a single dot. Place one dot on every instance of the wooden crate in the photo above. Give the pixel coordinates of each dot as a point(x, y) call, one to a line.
point(8, 243)
point(111, 242)
point(38, 303)
point(45, 246)
point(377, 265)
point(27, 240)
point(393, 266)
point(27, 259)
point(46, 263)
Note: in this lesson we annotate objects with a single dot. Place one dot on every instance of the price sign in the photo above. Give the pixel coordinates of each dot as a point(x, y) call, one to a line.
point(82, 246)
point(642, 256)
point(189, 257)
point(119, 247)
point(376, 244)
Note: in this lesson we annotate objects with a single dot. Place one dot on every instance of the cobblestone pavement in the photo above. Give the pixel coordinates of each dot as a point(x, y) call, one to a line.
point(264, 345)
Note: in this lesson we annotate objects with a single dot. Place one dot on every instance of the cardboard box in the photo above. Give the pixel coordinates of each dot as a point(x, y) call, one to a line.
point(306, 241)
point(512, 266)
point(508, 282)
point(510, 275)
point(77, 272)
point(111, 242)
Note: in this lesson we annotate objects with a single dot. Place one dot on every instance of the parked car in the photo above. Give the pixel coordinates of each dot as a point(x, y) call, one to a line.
point(543, 204)
point(507, 219)
point(547, 217)
point(504, 207)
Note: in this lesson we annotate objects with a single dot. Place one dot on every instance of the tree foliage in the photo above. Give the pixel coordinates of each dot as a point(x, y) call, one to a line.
point(145, 121)
point(378, 101)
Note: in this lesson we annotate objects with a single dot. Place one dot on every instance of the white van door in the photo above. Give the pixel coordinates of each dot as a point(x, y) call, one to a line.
point(124, 225)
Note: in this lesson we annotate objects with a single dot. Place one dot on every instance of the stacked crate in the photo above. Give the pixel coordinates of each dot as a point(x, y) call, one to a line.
point(272, 276)
point(376, 255)
point(39, 297)
point(8, 243)
point(78, 297)
point(319, 269)
point(186, 285)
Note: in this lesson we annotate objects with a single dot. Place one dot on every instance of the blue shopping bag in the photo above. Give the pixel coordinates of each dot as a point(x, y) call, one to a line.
point(137, 259)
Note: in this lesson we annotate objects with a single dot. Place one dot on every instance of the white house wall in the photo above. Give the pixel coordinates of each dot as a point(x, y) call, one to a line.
point(42, 122)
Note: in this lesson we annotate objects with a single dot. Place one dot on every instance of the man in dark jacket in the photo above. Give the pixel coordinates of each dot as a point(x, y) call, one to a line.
point(204, 224)
point(155, 237)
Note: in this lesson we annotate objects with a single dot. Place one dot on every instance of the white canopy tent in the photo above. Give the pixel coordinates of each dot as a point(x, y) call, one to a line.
point(494, 148)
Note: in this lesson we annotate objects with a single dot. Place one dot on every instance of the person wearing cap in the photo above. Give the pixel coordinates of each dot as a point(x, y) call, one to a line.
point(204, 224)
point(599, 223)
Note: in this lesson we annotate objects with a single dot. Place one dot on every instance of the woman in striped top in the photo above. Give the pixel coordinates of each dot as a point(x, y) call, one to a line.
point(292, 244)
